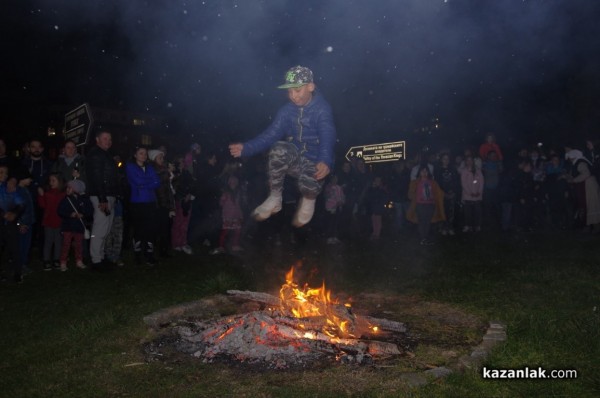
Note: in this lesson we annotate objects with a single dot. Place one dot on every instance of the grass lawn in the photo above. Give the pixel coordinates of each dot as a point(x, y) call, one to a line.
point(80, 334)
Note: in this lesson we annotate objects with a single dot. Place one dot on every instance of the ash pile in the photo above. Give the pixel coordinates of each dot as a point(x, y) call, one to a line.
point(275, 335)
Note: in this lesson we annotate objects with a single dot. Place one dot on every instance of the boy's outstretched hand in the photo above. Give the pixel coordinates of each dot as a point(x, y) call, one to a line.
point(236, 149)
point(322, 171)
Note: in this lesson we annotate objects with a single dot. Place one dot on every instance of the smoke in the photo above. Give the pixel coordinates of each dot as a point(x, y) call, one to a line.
point(387, 67)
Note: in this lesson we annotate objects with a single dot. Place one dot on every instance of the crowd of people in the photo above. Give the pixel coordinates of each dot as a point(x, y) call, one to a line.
point(93, 206)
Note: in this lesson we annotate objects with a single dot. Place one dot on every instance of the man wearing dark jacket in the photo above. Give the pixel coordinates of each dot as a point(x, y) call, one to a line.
point(301, 140)
point(103, 183)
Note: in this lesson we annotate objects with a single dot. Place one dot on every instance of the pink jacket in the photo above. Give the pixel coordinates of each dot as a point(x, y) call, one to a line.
point(472, 184)
point(230, 207)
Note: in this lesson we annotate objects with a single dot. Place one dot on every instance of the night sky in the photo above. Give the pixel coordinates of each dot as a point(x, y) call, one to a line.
point(528, 70)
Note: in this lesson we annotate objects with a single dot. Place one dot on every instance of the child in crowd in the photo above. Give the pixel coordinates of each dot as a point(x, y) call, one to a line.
point(165, 200)
point(447, 177)
point(73, 209)
point(48, 200)
point(377, 198)
point(334, 202)
point(472, 183)
point(426, 205)
point(183, 183)
point(25, 226)
point(231, 211)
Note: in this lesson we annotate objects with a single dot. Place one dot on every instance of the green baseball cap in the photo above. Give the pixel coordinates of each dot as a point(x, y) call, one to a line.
point(297, 76)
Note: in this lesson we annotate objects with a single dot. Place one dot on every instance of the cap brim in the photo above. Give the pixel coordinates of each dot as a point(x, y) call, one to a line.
point(292, 85)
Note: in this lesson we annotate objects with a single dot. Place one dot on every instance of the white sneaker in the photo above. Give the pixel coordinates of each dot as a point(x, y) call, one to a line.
point(304, 213)
point(466, 229)
point(178, 248)
point(187, 249)
point(270, 206)
point(451, 232)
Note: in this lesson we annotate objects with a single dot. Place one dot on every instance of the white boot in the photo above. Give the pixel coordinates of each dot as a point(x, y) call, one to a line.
point(304, 213)
point(270, 206)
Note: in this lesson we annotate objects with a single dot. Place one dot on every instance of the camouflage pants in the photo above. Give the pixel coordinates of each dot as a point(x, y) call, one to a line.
point(285, 159)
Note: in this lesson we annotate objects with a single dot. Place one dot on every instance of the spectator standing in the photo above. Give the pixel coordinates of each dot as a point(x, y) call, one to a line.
point(421, 160)
point(103, 188)
point(491, 169)
point(49, 200)
point(556, 190)
point(448, 181)
point(73, 209)
point(427, 204)
point(525, 197)
point(37, 164)
point(27, 219)
point(472, 183)
point(165, 200)
point(143, 182)
point(585, 188)
point(232, 216)
point(593, 156)
point(11, 207)
point(206, 222)
point(334, 203)
point(490, 145)
point(184, 186)
point(39, 167)
point(70, 164)
point(398, 187)
point(376, 201)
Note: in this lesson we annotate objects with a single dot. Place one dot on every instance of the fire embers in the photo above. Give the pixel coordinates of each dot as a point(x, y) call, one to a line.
point(254, 337)
point(274, 340)
point(300, 327)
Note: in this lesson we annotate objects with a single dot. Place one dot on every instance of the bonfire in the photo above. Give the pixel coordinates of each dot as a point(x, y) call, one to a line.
point(302, 325)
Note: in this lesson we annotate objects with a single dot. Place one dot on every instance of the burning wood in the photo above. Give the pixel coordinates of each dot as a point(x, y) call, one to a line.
point(302, 325)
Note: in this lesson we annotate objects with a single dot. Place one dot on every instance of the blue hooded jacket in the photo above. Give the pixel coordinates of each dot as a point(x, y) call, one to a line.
point(310, 128)
point(143, 182)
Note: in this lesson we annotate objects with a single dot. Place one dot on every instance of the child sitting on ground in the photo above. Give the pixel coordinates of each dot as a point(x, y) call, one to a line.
point(73, 209)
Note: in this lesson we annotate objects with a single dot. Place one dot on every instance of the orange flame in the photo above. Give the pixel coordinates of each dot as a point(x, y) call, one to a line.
point(309, 302)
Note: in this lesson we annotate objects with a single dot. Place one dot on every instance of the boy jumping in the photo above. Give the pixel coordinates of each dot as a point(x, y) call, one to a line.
point(301, 140)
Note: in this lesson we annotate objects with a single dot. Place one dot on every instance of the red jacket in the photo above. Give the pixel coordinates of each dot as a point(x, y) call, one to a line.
point(49, 202)
point(486, 147)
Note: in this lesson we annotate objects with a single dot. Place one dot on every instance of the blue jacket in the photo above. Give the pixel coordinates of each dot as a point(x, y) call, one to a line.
point(82, 204)
point(143, 182)
point(310, 128)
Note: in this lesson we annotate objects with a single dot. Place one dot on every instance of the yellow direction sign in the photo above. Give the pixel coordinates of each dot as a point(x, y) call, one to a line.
point(374, 153)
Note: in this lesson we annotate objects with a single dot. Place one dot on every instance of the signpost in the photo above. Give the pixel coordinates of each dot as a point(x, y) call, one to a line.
point(375, 153)
point(78, 124)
